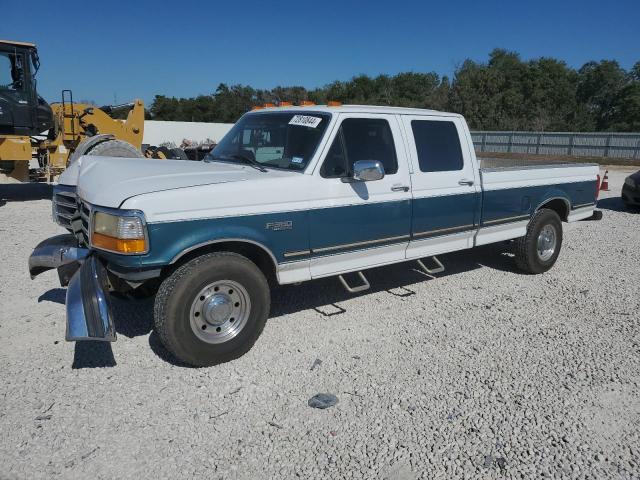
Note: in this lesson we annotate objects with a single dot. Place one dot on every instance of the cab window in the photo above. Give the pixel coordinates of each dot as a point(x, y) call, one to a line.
point(360, 139)
point(438, 145)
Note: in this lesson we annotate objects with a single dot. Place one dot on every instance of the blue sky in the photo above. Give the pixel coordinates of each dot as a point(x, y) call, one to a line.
point(136, 49)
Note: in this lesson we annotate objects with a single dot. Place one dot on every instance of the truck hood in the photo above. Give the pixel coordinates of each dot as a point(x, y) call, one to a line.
point(109, 181)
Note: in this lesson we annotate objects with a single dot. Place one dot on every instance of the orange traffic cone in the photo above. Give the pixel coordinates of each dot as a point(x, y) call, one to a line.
point(605, 181)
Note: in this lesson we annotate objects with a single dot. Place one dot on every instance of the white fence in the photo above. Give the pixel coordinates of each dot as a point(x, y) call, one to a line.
point(607, 145)
point(157, 132)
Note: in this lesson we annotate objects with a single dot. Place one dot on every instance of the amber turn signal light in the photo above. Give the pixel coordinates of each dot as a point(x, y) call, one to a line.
point(119, 245)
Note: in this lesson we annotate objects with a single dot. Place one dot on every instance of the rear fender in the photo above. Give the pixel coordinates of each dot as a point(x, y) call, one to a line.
point(553, 199)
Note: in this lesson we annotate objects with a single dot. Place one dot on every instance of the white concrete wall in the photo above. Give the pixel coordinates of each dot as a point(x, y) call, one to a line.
point(157, 132)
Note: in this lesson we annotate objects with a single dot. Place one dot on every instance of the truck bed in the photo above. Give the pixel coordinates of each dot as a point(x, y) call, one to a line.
point(507, 174)
point(514, 190)
point(490, 163)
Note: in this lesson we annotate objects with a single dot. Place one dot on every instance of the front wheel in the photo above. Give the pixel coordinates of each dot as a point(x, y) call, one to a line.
point(212, 309)
point(538, 250)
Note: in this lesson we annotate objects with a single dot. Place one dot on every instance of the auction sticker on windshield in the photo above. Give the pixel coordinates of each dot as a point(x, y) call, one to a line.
point(305, 121)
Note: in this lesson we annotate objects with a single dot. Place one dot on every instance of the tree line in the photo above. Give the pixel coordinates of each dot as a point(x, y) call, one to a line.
point(505, 93)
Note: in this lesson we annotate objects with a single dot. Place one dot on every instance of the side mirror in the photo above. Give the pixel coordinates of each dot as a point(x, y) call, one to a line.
point(367, 171)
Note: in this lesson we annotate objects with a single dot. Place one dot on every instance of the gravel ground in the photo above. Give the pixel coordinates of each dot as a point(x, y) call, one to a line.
point(480, 372)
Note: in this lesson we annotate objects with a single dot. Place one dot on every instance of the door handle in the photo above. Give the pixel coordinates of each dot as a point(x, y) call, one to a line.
point(465, 181)
point(399, 188)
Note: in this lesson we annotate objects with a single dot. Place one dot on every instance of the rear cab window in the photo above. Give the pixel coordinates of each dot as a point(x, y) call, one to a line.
point(438, 145)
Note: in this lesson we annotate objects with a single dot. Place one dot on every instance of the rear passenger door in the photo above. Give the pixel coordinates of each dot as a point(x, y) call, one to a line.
point(445, 187)
point(357, 225)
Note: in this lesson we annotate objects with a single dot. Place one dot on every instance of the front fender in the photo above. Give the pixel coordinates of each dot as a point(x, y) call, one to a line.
point(276, 233)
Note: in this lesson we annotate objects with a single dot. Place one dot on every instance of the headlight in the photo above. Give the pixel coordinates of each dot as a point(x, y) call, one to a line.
point(630, 181)
point(124, 233)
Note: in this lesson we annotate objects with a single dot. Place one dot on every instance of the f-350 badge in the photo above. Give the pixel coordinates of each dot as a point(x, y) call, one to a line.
point(276, 226)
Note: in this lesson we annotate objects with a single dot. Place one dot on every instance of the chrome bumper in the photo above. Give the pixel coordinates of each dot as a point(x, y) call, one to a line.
point(88, 312)
point(61, 252)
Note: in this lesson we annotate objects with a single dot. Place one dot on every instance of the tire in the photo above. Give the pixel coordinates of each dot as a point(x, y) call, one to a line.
point(7, 166)
point(186, 325)
point(528, 257)
point(115, 148)
point(597, 215)
point(163, 153)
point(178, 154)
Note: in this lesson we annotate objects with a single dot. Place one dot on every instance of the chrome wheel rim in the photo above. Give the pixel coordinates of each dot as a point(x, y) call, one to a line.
point(547, 240)
point(220, 311)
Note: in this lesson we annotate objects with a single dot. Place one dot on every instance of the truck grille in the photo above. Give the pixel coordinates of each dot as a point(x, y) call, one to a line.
point(85, 215)
point(71, 213)
point(65, 206)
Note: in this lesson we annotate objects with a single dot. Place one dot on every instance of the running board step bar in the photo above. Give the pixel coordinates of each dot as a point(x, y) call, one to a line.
point(431, 271)
point(365, 285)
point(360, 288)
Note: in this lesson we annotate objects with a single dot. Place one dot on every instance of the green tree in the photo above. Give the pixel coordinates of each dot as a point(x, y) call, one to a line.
point(599, 86)
point(550, 96)
point(230, 103)
point(505, 93)
point(626, 106)
point(474, 93)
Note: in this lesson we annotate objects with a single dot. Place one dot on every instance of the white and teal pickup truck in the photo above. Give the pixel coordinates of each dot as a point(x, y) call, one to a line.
point(290, 195)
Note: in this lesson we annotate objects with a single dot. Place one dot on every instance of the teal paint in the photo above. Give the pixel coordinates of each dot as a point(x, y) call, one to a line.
point(328, 227)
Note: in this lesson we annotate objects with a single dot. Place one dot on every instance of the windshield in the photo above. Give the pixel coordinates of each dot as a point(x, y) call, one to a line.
point(11, 72)
point(275, 139)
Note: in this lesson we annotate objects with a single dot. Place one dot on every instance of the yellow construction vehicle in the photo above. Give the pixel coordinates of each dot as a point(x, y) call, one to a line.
point(78, 124)
point(56, 134)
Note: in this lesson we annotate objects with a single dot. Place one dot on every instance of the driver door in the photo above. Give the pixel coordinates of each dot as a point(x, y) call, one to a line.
point(357, 224)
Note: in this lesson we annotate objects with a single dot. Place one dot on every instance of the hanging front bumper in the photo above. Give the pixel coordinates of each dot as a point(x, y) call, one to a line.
point(89, 314)
point(88, 311)
point(61, 252)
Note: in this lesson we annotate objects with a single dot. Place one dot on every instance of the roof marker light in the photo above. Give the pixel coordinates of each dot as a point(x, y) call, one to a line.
point(268, 105)
point(333, 103)
point(306, 103)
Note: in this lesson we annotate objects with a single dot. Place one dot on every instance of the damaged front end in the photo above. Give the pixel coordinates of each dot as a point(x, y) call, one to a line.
point(89, 314)
point(60, 252)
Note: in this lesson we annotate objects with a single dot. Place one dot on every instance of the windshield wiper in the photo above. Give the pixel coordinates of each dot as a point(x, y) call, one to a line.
point(238, 156)
point(251, 161)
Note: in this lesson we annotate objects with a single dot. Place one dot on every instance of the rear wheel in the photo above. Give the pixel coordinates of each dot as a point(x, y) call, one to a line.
point(212, 309)
point(538, 250)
